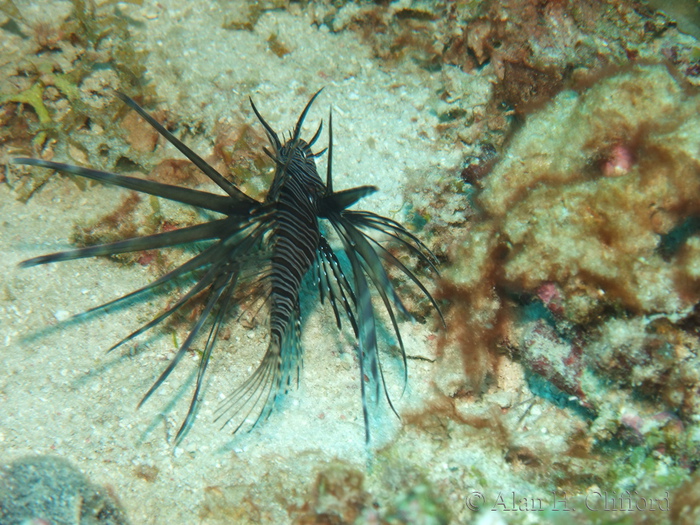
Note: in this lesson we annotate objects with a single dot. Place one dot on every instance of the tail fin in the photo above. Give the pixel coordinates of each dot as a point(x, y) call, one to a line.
point(272, 379)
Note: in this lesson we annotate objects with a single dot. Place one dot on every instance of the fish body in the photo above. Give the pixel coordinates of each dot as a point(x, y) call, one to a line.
point(279, 242)
point(296, 234)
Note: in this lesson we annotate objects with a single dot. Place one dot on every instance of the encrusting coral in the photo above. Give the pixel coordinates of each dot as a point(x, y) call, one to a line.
point(564, 274)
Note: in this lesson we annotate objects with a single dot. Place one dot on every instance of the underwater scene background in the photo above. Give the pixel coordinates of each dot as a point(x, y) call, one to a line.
point(548, 153)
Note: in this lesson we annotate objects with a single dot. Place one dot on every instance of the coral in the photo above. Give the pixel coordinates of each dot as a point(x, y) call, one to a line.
point(231, 504)
point(45, 489)
point(241, 15)
point(147, 473)
point(60, 85)
point(396, 32)
point(338, 496)
point(599, 233)
point(684, 13)
point(561, 272)
point(238, 151)
point(685, 503)
point(276, 46)
point(532, 50)
point(129, 219)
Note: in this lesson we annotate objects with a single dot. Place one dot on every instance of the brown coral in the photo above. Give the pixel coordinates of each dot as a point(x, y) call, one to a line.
point(572, 218)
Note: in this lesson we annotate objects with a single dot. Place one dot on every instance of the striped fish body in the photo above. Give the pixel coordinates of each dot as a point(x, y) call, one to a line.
point(295, 191)
point(295, 194)
point(263, 250)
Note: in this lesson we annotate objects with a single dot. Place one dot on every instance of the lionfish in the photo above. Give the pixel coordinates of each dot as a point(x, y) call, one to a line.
point(282, 235)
